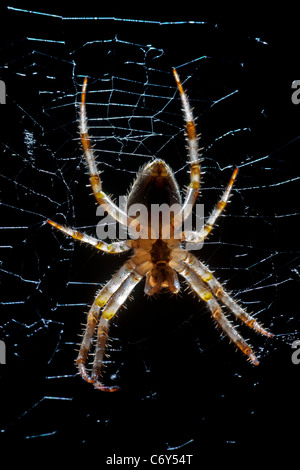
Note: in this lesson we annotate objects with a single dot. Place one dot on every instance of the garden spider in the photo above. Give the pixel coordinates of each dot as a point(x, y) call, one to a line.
point(157, 258)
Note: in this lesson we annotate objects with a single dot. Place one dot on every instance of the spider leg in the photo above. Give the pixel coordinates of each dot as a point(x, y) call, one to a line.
point(204, 292)
point(197, 237)
point(111, 308)
point(206, 275)
point(111, 296)
point(193, 152)
point(115, 247)
point(95, 180)
point(101, 299)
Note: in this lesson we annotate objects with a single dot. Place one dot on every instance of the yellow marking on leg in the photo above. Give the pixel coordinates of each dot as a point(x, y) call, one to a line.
point(194, 185)
point(208, 228)
point(101, 301)
point(102, 246)
point(107, 314)
point(206, 277)
point(206, 296)
point(101, 195)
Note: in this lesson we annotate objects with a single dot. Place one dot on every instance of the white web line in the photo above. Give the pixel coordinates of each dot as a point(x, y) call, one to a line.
point(107, 18)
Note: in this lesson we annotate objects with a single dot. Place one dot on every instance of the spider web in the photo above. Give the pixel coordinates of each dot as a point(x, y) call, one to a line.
point(173, 367)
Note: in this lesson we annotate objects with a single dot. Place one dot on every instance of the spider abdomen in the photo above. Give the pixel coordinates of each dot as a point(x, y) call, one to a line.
point(154, 184)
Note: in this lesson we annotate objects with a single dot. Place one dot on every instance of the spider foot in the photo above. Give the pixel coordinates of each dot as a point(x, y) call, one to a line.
point(266, 332)
point(252, 323)
point(105, 388)
point(253, 359)
point(247, 350)
point(95, 379)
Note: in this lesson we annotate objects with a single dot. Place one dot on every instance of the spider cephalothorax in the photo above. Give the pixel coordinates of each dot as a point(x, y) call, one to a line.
point(157, 247)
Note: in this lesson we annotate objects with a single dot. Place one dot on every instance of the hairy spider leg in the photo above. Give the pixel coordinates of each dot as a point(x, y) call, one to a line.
point(225, 298)
point(111, 308)
point(101, 197)
point(101, 299)
point(204, 292)
point(114, 247)
point(217, 289)
point(197, 237)
point(193, 152)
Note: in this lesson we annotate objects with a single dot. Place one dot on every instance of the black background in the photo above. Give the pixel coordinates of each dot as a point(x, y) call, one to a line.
point(183, 389)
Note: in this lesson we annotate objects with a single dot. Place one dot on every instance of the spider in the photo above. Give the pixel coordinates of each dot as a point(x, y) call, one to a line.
point(158, 259)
